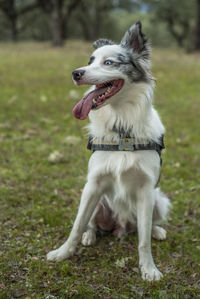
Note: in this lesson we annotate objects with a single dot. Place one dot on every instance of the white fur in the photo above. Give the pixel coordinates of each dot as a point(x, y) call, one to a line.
point(126, 179)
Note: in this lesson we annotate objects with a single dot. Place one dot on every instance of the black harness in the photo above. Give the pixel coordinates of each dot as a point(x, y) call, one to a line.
point(126, 144)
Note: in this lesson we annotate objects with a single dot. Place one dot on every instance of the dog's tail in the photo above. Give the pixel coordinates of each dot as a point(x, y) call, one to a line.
point(161, 207)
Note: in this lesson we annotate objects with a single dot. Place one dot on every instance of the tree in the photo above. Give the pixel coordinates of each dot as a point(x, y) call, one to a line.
point(93, 14)
point(13, 9)
point(59, 12)
point(177, 15)
point(196, 33)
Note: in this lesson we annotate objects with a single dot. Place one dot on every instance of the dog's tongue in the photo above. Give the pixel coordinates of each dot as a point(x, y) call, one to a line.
point(82, 108)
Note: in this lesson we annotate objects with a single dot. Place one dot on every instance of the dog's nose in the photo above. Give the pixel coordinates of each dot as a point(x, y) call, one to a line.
point(78, 74)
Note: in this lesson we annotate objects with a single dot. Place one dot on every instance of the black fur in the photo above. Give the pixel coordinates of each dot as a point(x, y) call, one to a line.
point(102, 42)
point(135, 40)
point(137, 51)
point(92, 58)
point(130, 65)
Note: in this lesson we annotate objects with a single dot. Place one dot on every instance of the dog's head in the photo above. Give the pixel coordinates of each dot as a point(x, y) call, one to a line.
point(110, 66)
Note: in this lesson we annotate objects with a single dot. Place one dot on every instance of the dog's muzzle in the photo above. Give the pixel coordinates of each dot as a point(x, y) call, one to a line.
point(78, 74)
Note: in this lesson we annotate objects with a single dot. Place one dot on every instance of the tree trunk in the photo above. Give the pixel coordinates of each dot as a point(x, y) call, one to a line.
point(86, 29)
point(179, 37)
point(196, 40)
point(13, 28)
point(86, 22)
point(56, 24)
point(97, 20)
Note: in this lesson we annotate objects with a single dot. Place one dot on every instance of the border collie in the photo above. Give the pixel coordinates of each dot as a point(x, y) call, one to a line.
point(120, 194)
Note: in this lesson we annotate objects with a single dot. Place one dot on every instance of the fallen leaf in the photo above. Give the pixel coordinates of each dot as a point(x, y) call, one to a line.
point(46, 120)
point(5, 125)
point(56, 157)
point(12, 100)
point(72, 140)
point(73, 94)
point(43, 98)
point(122, 262)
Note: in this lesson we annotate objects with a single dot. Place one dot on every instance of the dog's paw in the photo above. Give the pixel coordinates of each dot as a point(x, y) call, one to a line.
point(89, 238)
point(150, 273)
point(61, 253)
point(159, 233)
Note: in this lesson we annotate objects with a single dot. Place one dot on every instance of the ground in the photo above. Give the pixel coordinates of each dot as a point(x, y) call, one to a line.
point(42, 172)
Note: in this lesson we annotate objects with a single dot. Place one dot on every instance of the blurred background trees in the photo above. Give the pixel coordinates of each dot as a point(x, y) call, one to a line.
point(167, 22)
point(12, 10)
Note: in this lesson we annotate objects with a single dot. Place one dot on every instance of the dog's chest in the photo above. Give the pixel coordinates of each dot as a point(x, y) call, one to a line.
point(120, 173)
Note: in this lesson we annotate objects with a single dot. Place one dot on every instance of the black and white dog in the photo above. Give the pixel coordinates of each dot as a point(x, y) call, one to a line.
point(120, 193)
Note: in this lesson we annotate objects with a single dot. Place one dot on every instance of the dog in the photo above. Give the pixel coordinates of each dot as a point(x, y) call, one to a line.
point(126, 132)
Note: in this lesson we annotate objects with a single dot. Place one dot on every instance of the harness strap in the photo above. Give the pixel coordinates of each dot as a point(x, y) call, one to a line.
point(126, 144)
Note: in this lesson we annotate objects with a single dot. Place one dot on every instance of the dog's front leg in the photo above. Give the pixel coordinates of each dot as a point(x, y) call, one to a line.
point(89, 199)
point(145, 204)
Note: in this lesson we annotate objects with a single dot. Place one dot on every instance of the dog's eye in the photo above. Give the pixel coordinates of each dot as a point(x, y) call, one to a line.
point(107, 62)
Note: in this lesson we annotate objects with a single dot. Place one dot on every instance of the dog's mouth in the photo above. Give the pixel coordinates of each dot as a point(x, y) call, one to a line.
point(97, 97)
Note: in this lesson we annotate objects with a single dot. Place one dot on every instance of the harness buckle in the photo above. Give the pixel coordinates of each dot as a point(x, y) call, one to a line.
point(126, 144)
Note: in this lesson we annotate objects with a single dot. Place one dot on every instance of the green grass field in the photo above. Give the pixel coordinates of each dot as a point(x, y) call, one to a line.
point(39, 198)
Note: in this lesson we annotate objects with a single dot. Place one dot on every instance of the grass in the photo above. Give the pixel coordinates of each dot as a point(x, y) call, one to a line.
point(39, 199)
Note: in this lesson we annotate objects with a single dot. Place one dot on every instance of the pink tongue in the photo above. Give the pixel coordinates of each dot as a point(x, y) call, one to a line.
point(82, 108)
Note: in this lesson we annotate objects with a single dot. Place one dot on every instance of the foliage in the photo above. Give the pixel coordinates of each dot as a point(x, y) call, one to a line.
point(39, 198)
point(159, 35)
point(178, 16)
point(94, 17)
point(12, 10)
point(169, 21)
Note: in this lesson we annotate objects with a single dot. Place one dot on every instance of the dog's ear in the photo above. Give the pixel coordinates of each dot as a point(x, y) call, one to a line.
point(135, 39)
point(102, 42)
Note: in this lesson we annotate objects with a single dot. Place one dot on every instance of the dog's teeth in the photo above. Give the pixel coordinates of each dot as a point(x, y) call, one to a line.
point(94, 101)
